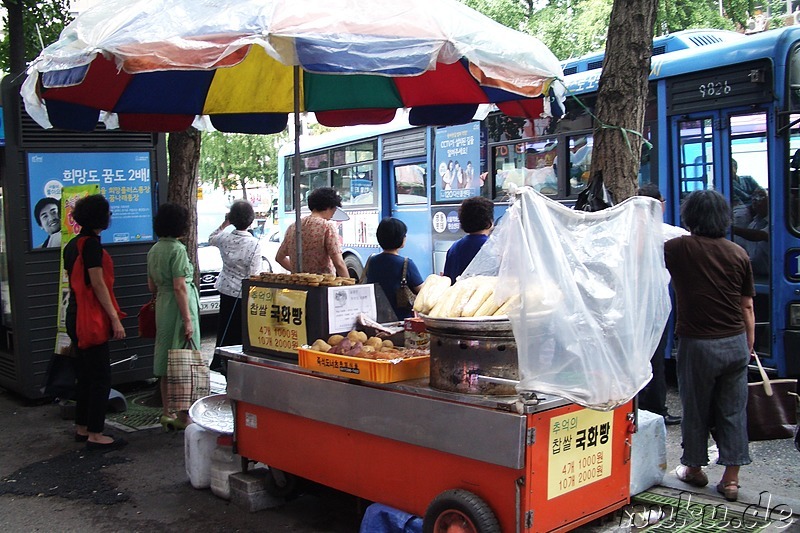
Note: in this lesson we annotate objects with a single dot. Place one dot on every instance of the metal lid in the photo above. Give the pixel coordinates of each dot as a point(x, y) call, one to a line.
point(492, 324)
point(213, 413)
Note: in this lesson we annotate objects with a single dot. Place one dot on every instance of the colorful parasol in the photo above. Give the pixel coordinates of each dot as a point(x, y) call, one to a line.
point(157, 65)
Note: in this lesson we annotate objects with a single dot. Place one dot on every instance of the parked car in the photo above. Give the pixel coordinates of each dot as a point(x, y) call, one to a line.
point(270, 237)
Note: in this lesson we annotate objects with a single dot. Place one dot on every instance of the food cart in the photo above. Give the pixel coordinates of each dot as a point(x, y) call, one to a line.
point(502, 463)
point(494, 462)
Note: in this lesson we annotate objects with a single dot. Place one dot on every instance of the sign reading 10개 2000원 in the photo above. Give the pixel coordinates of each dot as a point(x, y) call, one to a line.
point(123, 177)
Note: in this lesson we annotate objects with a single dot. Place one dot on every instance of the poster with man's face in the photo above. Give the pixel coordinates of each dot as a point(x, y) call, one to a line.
point(123, 178)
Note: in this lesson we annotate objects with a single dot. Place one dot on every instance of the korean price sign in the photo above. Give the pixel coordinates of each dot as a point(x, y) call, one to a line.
point(276, 319)
point(580, 450)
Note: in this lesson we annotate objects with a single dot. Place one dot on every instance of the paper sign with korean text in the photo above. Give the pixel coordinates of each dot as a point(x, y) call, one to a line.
point(276, 319)
point(345, 303)
point(579, 450)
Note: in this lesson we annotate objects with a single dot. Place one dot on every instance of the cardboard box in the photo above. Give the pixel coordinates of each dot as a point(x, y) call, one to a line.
point(376, 371)
point(416, 335)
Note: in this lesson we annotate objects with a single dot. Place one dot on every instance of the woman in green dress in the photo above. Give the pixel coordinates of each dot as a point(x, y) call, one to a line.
point(170, 276)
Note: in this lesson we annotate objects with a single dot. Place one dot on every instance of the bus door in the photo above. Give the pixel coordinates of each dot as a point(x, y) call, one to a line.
point(407, 200)
point(728, 152)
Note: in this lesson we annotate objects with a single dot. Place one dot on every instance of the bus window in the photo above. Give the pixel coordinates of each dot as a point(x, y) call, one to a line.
point(411, 184)
point(354, 153)
point(580, 155)
point(696, 164)
point(315, 161)
point(308, 182)
point(794, 175)
point(354, 184)
point(530, 163)
point(794, 80)
point(503, 128)
point(748, 165)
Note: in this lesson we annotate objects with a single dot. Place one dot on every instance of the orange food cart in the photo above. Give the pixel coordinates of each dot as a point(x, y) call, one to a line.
point(478, 463)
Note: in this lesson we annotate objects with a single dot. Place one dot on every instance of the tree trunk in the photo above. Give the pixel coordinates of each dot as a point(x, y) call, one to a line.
point(184, 158)
point(16, 36)
point(622, 95)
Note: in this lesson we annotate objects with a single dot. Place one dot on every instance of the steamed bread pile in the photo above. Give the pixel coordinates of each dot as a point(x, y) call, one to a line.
point(469, 297)
point(475, 297)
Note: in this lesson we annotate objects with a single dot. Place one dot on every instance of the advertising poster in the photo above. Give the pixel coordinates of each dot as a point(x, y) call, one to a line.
point(122, 177)
point(458, 157)
point(69, 195)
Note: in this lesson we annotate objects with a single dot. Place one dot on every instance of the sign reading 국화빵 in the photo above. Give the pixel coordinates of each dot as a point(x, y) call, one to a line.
point(276, 318)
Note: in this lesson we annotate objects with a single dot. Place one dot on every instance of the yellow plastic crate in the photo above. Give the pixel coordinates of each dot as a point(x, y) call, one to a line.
point(376, 371)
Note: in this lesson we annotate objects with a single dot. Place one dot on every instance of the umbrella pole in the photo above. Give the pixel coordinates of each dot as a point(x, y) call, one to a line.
point(296, 171)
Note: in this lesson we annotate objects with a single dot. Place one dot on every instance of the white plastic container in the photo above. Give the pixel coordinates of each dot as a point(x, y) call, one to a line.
point(198, 445)
point(224, 463)
point(648, 452)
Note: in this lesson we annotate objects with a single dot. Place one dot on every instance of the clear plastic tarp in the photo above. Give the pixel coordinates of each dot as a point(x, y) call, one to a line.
point(593, 295)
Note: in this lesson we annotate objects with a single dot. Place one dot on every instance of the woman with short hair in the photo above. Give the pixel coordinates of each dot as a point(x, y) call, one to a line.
point(170, 277)
point(713, 282)
point(93, 365)
point(321, 251)
point(386, 268)
point(241, 258)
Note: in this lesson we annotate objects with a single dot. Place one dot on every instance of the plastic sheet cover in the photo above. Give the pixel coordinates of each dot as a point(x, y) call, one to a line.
point(593, 295)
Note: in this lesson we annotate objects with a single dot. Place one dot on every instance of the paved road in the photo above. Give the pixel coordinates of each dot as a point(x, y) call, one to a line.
point(48, 483)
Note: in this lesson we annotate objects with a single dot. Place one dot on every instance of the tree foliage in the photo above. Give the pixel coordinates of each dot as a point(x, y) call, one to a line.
point(42, 22)
point(237, 161)
point(571, 28)
point(510, 13)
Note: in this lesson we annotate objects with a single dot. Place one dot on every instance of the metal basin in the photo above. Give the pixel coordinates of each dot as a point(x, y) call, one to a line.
point(466, 351)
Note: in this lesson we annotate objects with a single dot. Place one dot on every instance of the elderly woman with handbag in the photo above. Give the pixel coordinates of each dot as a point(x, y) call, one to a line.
point(170, 276)
point(713, 282)
point(93, 317)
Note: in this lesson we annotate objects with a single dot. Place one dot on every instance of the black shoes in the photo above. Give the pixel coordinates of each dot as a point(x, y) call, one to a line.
point(671, 420)
point(116, 444)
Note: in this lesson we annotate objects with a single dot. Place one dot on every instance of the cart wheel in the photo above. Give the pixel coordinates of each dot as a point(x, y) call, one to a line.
point(281, 484)
point(459, 511)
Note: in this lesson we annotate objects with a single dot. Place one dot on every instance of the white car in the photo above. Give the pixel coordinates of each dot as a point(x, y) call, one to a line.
point(270, 237)
point(210, 262)
point(269, 248)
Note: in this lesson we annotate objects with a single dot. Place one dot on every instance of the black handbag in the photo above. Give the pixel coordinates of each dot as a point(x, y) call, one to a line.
point(595, 197)
point(405, 296)
point(771, 407)
point(61, 375)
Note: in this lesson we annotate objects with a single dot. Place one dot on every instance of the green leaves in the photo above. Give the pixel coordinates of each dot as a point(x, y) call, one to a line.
point(234, 161)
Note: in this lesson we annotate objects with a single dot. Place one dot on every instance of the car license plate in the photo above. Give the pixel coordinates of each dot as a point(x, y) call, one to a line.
point(209, 306)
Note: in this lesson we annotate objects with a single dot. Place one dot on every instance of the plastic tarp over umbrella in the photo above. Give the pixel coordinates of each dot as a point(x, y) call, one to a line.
point(592, 294)
point(156, 65)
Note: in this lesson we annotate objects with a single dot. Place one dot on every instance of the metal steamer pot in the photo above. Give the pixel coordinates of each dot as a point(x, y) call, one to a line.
point(473, 356)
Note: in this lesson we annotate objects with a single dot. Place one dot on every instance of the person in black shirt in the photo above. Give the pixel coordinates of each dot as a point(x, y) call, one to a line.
point(93, 367)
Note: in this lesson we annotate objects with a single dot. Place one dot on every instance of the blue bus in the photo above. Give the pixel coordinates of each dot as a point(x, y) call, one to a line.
point(723, 109)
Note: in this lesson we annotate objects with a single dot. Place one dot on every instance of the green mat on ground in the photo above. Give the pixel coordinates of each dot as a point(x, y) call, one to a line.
point(688, 514)
point(141, 413)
